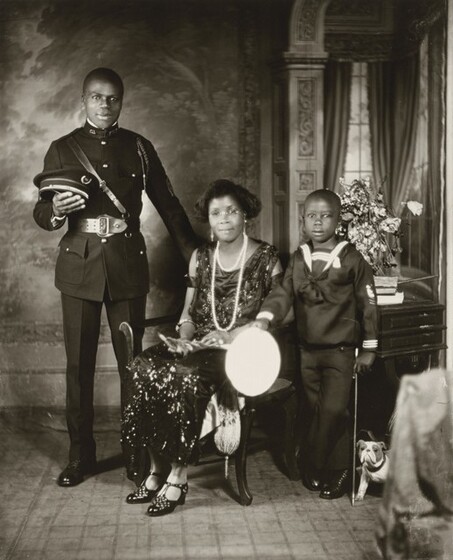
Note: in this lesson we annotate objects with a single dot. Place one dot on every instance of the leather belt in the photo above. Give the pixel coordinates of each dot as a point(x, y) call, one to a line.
point(102, 226)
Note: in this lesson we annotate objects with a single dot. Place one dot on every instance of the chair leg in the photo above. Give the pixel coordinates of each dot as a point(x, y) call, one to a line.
point(291, 437)
point(240, 458)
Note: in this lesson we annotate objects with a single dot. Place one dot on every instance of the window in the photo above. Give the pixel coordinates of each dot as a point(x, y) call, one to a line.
point(418, 249)
point(358, 155)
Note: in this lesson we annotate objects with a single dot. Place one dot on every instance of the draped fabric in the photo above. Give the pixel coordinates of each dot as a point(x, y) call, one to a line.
point(436, 128)
point(337, 88)
point(416, 513)
point(393, 105)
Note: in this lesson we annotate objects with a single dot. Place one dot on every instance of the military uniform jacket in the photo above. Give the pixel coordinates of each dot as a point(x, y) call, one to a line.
point(86, 263)
point(333, 308)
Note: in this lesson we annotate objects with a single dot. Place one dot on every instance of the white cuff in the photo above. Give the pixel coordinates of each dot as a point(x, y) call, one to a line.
point(57, 221)
point(370, 344)
point(265, 315)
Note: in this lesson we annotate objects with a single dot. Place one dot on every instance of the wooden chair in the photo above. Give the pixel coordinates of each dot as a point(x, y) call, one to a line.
point(282, 395)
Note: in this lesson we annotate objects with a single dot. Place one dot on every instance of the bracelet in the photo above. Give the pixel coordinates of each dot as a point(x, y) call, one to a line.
point(182, 321)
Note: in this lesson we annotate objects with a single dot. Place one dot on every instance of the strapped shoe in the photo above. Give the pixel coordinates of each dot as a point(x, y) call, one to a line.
point(161, 505)
point(75, 472)
point(336, 486)
point(143, 494)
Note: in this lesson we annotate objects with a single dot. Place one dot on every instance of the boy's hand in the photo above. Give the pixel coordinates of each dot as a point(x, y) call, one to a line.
point(262, 324)
point(364, 361)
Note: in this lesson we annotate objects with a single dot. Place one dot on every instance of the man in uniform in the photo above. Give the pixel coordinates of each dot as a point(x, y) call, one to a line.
point(102, 259)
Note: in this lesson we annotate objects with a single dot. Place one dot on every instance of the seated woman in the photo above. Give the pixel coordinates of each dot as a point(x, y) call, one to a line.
point(172, 383)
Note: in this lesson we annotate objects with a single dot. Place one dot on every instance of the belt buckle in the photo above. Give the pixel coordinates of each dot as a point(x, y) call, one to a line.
point(103, 226)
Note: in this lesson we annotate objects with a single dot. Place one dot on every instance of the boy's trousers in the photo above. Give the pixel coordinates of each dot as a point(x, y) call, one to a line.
point(326, 379)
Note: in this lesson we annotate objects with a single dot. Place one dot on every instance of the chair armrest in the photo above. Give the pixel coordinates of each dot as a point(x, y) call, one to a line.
point(155, 321)
point(128, 333)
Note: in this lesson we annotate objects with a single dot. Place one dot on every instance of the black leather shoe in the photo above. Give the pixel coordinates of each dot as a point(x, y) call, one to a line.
point(311, 479)
point(336, 486)
point(74, 473)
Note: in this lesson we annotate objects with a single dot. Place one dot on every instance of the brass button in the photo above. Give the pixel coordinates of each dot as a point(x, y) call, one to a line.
point(105, 165)
point(67, 249)
point(103, 240)
point(103, 142)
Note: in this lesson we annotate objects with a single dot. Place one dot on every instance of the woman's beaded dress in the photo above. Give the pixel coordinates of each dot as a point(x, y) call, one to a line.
point(167, 395)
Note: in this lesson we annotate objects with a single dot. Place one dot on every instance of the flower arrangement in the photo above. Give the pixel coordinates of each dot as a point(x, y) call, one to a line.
point(368, 223)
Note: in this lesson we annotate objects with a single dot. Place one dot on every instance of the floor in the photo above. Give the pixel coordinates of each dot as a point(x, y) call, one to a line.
point(40, 521)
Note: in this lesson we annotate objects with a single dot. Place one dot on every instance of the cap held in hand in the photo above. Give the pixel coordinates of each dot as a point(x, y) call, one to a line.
point(77, 181)
point(252, 361)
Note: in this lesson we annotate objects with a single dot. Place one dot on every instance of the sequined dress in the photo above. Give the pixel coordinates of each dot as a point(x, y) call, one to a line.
point(167, 396)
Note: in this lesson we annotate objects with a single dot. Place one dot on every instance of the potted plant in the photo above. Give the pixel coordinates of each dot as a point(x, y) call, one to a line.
point(372, 227)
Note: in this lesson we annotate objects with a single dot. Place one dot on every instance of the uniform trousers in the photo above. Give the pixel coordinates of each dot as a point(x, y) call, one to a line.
point(326, 378)
point(81, 325)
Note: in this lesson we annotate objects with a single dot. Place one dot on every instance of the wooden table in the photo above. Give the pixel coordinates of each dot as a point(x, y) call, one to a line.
point(411, 336)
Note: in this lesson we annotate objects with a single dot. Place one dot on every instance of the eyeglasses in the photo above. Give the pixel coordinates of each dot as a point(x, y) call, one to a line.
point(230, 211)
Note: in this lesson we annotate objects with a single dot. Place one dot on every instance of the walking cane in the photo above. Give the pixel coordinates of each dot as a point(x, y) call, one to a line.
point(354, 437)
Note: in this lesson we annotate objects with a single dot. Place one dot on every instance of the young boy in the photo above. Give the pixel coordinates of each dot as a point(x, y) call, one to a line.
point(331, 287)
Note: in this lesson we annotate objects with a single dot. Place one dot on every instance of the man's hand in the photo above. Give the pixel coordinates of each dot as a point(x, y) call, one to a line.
point(364, 361)
point(67, 203)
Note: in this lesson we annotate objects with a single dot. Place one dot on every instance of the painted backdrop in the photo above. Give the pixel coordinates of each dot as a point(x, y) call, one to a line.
point(190, 70)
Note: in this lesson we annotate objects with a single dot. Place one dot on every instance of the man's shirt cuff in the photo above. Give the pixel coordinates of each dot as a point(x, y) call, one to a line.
point(57, 221)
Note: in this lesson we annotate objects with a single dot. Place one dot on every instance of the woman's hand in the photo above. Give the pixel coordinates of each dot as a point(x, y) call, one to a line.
point(177, 345)
point(217, 338)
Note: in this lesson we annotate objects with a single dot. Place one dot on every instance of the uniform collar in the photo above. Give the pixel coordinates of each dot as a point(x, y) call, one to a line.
point(96, 132)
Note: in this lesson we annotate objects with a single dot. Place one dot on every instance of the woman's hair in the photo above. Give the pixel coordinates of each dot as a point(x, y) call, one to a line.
point(248, 202)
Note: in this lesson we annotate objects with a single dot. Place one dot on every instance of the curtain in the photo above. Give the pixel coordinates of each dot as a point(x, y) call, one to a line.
point(337, 88)
point(393, 90)
point(436, 130)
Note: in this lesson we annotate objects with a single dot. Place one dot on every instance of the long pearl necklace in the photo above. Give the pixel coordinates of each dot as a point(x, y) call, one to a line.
point(242, 255)
point(237, 261)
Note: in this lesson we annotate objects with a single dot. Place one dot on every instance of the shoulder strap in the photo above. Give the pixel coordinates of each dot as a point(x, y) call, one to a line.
point(81, 156)
point(144, 159)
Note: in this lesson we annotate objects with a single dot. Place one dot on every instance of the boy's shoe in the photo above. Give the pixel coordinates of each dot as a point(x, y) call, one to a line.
point(312, 478)
point(336, 485)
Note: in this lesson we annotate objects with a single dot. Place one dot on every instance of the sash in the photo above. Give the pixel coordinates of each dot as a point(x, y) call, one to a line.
point(83, 159)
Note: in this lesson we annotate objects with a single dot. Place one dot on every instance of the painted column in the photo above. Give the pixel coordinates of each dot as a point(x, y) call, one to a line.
point(298, 99)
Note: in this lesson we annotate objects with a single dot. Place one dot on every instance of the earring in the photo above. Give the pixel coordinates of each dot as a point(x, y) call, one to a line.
point(212, 235)
point(244, 233)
